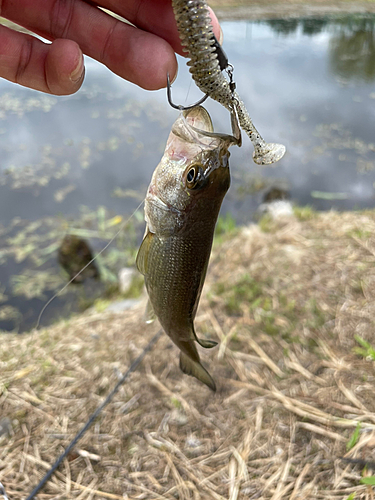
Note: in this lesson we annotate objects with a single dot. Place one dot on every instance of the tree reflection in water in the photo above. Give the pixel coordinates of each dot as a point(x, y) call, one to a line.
point(352, 50)
point(351, 44)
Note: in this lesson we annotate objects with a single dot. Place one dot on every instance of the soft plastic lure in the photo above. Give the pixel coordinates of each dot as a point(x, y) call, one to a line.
point(207, 61)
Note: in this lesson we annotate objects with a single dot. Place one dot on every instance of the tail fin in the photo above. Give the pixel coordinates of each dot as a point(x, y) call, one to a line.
point(195, 369)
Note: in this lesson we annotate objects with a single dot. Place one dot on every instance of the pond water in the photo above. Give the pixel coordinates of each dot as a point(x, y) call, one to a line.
point(81, 164)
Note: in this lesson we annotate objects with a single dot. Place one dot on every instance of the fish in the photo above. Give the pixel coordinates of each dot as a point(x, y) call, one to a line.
point(207, 60)
point(181, 208)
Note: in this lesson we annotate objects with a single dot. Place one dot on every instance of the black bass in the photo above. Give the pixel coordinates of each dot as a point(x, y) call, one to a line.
point(181, 209)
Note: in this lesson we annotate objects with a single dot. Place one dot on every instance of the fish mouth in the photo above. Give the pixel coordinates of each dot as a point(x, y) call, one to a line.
point(199, 119)
point(195, 126)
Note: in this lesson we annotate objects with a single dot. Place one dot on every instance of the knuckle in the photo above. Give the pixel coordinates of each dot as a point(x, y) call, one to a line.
point(61, 17)
point(24, 59)
point(107, 44)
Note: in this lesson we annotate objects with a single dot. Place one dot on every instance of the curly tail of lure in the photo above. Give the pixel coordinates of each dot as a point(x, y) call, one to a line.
point(207, 60)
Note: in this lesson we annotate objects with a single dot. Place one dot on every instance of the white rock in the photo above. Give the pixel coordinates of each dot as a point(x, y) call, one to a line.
point(125, 278)
point(276, 209)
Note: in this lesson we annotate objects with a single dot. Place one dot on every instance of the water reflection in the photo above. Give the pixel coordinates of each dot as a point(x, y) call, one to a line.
point(309, 26)
point(352, 51)
point(80, 165)
point(351, 46)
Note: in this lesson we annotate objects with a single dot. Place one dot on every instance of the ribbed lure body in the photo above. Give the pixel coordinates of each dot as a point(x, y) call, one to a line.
point(197, 38)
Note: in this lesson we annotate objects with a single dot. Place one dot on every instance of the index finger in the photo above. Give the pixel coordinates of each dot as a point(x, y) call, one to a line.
point(155, 16)
point(143, 56)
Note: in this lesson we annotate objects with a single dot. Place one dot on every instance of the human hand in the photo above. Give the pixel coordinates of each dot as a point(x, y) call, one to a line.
point(143, 54)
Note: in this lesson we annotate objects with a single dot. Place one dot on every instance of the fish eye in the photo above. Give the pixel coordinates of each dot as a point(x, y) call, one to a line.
point(193, 176)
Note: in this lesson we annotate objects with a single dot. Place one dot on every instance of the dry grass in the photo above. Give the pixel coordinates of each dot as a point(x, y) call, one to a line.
point(285, 305)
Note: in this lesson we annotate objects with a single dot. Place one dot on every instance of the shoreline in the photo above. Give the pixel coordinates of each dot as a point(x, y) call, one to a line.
point(231, 11)
point(291, 303)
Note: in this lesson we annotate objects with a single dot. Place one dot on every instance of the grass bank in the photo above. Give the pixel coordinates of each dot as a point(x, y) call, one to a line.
point(292, 305)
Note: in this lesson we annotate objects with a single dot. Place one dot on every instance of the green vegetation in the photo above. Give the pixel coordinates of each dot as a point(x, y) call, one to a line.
point(247, 291)
point(225, 228)
point(367, 351)
point(304, 213)
point(317, 316)
point(281, 318)
point(370, 480)
point(267, 224)
point(37, 244)
point(354, 438)
point(322, 195)
point(176, 402)
point(360, 233)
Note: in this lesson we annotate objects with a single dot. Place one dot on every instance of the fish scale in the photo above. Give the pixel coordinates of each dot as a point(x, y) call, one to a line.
point(186, 256)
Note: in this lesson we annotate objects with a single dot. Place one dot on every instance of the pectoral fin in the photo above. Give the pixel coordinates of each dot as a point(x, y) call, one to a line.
point(143, 252)
point(190, 367)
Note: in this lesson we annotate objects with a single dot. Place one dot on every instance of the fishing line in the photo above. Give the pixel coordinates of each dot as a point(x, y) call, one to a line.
point(90, 421)
point(188, 91)
point(81, 271)
point(360, 462)
point(3, 492)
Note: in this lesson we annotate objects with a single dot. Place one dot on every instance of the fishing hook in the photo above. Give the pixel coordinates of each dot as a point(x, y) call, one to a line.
point(223, 64)
point(180, 107)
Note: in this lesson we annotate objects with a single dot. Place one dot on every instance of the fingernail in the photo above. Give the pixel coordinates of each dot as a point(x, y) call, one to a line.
point(77, 74)
point(221, 36)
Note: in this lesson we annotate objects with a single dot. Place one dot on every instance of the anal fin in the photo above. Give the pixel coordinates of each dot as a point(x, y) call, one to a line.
point(195, 369)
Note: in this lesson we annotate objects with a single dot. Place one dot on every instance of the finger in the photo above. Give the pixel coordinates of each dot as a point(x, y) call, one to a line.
point(55, 68)
point(155, 16)
point(133, 54)
point(140, 57)
point(64, 67)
